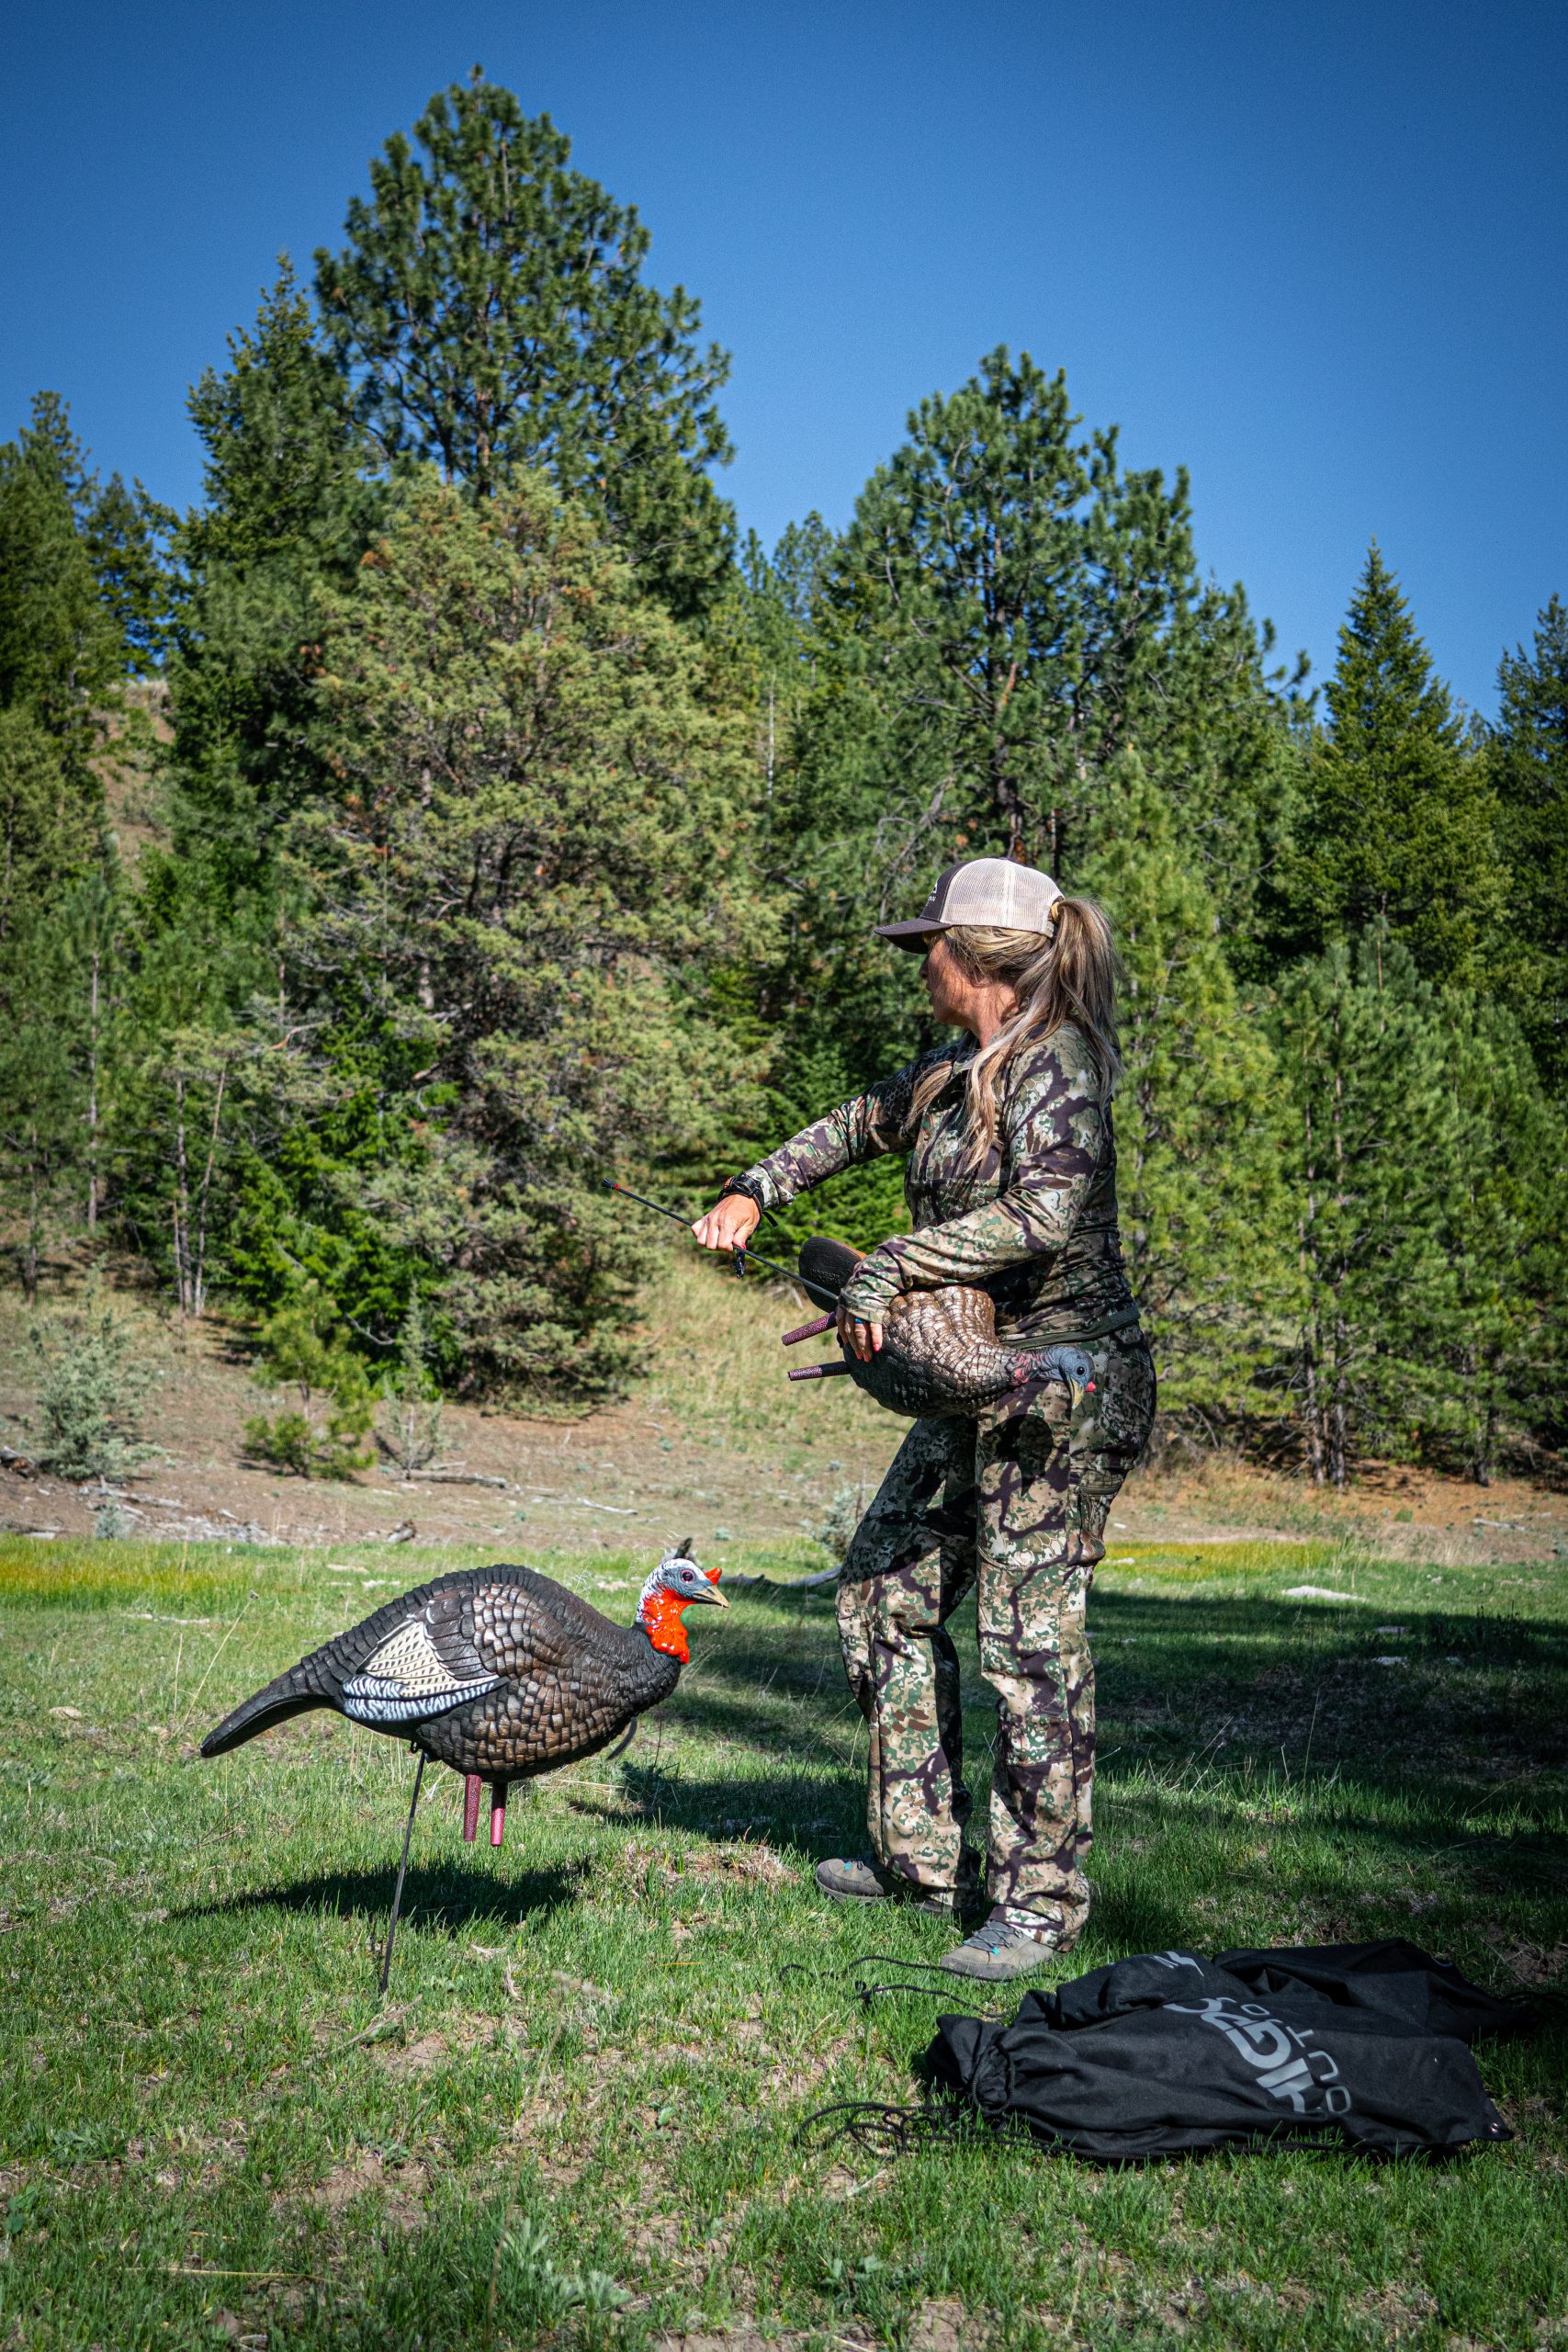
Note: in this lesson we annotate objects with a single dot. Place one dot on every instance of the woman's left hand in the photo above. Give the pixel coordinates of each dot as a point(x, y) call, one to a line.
point(863, 1339)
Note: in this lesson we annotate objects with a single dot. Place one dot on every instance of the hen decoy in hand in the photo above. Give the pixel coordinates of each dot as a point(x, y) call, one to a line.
point(940, 1349)
point(498, 1672)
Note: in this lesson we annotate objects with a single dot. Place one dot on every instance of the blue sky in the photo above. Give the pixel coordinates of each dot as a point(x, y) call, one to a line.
point(1315, 254)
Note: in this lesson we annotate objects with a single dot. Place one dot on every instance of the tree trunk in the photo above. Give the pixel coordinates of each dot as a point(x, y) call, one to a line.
point(92, 1099)
point(182, 1202)
point(30, 1255)
point(198, 1282)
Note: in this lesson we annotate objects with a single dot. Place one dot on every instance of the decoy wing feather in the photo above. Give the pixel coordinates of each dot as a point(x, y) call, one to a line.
point(418, 1671)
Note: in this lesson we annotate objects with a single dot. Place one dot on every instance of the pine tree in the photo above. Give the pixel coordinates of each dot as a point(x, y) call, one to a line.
point(287, 515)
point(44, 845)
point(126, 533)
point(1529, 962)
point(1397, 829)
point(779, 596)
point(304, 1347)
point(63, 656)
point(1006, 614)
point(490, 306)
point(283, 456)
point(542, 829)
point(1205, 1217)
point(60, 652)
point(1506, 1348)
point(1376, 1169)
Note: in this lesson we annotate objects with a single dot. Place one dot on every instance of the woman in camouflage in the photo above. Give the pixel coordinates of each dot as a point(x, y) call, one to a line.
point(1010, 1180)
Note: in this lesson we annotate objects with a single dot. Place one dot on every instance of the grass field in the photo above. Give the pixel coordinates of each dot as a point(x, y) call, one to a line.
point(575, 2121)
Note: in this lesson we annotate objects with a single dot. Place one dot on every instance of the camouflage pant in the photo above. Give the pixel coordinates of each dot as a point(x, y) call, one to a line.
point(1023, 1498)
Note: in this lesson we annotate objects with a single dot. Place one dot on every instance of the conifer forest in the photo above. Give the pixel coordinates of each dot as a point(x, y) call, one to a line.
point(454, 809)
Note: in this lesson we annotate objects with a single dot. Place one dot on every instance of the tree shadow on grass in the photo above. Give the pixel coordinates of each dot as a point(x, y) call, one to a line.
point(1212, 1705)
point(1216, 1695)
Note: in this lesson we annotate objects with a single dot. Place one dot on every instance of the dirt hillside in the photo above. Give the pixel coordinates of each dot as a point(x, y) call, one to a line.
point(713, 1442)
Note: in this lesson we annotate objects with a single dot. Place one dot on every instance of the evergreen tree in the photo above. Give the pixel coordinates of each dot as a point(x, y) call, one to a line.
point(288, 517)
point(60, 652)
point(1505, 1349)
point(1376, 1168)
point(780, 597)
point(543, 825)
point(42, 1130)
point(64, 652)
point(1527, 963)
point(1398, 827)
point(1006, 614)
point(125, 534)
point(490, 306)
point(44, 843)
point(1205, 1221)
point(283, 455)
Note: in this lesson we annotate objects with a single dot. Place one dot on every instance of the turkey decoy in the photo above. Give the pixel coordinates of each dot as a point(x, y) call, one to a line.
point(940, 1350)
point(498, 1672)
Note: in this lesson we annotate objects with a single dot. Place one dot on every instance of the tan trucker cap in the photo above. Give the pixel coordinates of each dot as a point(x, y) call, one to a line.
point(992, 890)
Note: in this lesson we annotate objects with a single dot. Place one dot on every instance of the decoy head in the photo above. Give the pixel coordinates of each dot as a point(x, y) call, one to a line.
point(1074, 1367)
point(675, 1583)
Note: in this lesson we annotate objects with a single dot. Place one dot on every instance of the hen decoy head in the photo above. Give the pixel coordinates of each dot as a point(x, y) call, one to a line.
point(675, 1583)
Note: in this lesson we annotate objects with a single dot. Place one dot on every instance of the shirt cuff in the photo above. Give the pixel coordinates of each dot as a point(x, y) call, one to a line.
point(755, 1184)
point(872, 1288)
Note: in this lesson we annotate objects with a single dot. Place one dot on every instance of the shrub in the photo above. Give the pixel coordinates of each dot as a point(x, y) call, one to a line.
point(91, 1394)
point(302, 1344)
point(409, 1431)
point(836, 1529)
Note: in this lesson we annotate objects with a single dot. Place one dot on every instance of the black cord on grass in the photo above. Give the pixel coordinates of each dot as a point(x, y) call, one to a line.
point(881, 2128)
point(867, 1994)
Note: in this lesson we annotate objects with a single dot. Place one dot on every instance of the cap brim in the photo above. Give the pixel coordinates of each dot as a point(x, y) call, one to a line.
point(911, 936)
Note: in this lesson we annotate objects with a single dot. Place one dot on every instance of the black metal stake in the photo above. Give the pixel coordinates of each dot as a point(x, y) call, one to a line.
point(402, 1870)
point(742, 1257)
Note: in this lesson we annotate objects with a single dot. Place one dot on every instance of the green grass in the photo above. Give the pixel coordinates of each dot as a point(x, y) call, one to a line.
point(575, 2121)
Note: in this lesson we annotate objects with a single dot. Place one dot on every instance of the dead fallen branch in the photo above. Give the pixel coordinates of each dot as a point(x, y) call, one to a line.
point(455, 1478)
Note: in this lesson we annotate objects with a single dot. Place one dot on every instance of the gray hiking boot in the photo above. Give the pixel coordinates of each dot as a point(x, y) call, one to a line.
point(998, 1950)
point(863, 1882)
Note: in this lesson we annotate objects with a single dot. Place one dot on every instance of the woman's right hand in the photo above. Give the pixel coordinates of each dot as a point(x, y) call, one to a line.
point(729, 1223)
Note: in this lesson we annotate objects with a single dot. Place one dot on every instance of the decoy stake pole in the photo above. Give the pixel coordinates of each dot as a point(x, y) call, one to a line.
point(402, 1872)
point(743, 1258)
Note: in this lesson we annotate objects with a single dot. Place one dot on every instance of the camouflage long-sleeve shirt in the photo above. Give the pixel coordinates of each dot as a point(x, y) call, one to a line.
point(1034, 1225)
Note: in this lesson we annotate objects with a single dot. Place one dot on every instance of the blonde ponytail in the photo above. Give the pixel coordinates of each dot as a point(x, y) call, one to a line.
point(1065, 973)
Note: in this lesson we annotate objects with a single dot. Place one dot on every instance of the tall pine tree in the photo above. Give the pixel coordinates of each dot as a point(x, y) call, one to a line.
point(490, 306)
point(542, 826)
point(1376, 1171)
point(1529, 773)
point(1008, 614)
point(1205, 1221)
point(287, 515)
point(1398, 827)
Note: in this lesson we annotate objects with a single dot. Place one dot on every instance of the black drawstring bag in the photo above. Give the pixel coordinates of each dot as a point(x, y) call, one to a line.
point(1365, 2045)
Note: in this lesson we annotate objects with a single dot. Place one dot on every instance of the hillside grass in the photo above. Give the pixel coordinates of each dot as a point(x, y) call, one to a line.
point(576, 2119)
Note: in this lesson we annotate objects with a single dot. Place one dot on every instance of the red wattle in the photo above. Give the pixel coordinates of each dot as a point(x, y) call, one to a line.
point(662, 1623)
